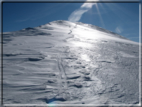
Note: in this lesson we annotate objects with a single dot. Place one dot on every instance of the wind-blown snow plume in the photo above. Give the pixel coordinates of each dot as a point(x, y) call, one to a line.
point(77, 14)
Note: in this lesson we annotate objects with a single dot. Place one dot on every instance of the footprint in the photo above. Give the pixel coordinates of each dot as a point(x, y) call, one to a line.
point(35, 59)
point(77, 85)
point(8, 55)
point(78, 62)
point(50, 100)
point(51, 81)
point(73, 76)
point(51, 74)
point(84, 72)
point(87, 78)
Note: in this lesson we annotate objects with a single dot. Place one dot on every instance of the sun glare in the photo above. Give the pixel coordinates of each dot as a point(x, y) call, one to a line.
point(81, 44)
point(85, 57)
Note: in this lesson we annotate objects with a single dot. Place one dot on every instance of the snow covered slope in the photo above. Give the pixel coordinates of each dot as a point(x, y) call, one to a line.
point(69, 63)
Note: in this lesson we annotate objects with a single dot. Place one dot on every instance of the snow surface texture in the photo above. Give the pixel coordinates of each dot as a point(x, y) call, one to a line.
point(69, 63)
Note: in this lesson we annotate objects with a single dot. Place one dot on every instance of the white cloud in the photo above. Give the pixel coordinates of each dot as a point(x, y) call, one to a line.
point(77, 14)
point(119, 29)
point(87, 5)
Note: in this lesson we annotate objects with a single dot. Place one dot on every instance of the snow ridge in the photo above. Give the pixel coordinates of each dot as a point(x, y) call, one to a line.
point(69, 63)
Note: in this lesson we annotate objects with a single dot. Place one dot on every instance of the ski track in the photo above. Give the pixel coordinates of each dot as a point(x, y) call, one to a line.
point(61, 73)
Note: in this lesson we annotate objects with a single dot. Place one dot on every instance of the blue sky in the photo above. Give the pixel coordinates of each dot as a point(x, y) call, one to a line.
point(122, 18)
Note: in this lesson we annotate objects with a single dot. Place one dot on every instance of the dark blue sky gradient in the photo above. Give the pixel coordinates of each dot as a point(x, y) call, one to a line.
point(122, 18)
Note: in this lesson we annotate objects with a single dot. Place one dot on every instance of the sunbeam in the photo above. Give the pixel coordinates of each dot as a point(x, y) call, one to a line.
point(100, 16)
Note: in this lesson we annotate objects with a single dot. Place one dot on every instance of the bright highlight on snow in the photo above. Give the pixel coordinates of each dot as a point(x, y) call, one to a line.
point(81, 44)
point(85, 57)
